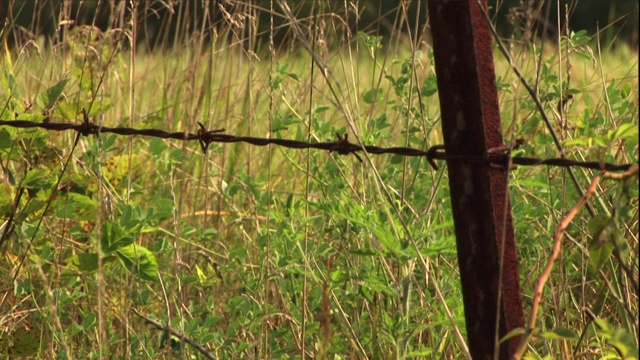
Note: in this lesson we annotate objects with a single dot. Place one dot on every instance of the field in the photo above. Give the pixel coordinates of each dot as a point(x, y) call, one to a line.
point(271, 252)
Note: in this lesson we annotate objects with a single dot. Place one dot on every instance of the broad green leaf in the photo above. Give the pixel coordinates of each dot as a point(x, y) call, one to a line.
point(371, 41)
point(598, 255)
point(579, 38)
point(373, 96)
point(12, 84)
point(600, 246)
point(420, 353)
point(173, 342)
point(157, 146)
point(580, 141)
point(37, 179)
point(365, 252)
point(5, 139)
point(86, 263)
point(597, 224)
point(365, 293)
point(559, 333)
point(32, 206)
point(624, 131)
point(25, 342)
point(513, 333)
point(625, 90)
point(139, 260)
point(625, 342)
point(584, 55)
point(115, 237)
point(78, 207)
point(76, 329)
point(376, 284)
point(4, 343)
point(202, 278)
point(89, 321)
point(430, 86)
point(396, 159)
point(621, 244)
point(47, 99)
point(604, 326)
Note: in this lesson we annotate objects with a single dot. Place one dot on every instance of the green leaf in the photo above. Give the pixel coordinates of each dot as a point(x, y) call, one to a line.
point(78, 207)
point(170, 340)
point(576, 142)
point(371, 41)
point(621, 244)
point(600, 246)
point(12, 84)
point(513, 333)
point(76, 329)
point(202, 278)
point(597, 224)
point(89, 321)
point(624, 131)
point(584, 55)
point(25, 342)
point(157, 146)
point(86, 263)
point(559, 333)
point(139, 260)
point(365, 252)
point(430, 86)
point(625, 90)
point(47, 99)
point(579, 38)
point(604, 326)
point(373, 96)
point(396, 159)
point(365, 293)
point(37, 179)
point(31, 207)
point(5, 139)
point(598, 255)
point(114, 237)
point(420, 353)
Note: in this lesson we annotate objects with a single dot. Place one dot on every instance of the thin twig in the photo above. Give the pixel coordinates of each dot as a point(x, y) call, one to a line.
point(542, 280)
point(177, 334)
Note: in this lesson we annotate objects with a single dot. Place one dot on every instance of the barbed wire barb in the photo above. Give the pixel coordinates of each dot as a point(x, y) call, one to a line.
point(342, 145)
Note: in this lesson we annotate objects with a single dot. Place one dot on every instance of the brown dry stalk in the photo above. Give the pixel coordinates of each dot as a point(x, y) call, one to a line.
point(557, 246)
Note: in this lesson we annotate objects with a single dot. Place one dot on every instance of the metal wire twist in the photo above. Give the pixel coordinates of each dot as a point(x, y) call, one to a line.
point(342, 146)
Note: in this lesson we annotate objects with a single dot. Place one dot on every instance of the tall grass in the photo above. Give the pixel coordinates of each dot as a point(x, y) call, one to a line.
point(270, 252)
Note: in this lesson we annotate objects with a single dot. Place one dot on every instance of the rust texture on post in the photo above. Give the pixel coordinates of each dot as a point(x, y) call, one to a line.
point(471, 125)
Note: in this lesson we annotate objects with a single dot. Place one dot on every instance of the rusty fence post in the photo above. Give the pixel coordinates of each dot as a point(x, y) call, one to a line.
point(463, 53)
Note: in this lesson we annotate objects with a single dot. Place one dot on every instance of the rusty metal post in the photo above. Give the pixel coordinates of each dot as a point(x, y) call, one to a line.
point(463, 52)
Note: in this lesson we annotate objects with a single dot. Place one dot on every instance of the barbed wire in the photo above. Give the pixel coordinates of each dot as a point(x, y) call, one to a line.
point(341, 145)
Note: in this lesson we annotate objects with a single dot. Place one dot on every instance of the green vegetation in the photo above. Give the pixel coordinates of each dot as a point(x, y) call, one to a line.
point(267, 252)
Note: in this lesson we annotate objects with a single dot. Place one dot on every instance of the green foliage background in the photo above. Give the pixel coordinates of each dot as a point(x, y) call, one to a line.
point(281, 253)
point(164, 22)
